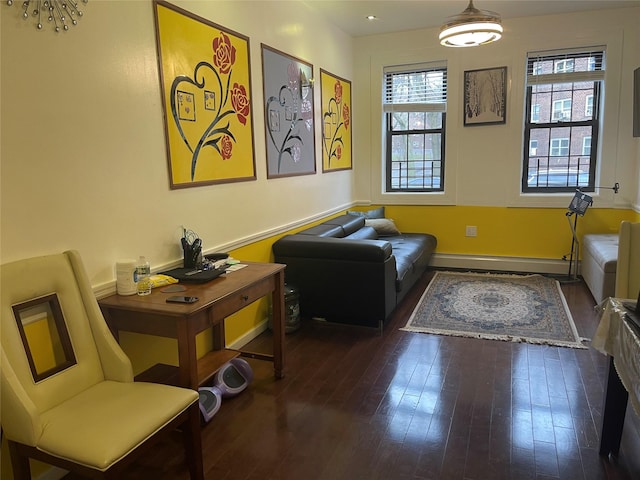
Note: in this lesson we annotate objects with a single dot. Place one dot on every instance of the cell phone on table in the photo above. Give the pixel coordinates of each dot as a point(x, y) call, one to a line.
point(182, 299)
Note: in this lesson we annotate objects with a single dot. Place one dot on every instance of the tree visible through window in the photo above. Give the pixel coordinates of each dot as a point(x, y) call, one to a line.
point(562, 120)
point(414, 117)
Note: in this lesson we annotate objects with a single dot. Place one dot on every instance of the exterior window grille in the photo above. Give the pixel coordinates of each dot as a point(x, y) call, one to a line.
point(562, 120)
point(414, 108)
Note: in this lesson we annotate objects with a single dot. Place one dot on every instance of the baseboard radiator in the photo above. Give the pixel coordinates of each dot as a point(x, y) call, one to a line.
point(506, 264)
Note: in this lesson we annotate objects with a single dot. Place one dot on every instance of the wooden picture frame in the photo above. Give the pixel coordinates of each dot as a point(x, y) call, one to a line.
point(205, 81)
point(336, 122)
point(289, 114)
point(45, 336)
point(485, 96)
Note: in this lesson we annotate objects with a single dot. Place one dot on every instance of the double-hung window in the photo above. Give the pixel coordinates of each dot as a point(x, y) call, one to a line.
point(414, 106)
point(562, 120)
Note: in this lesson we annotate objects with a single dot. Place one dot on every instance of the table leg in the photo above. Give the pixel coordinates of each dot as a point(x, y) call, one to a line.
point(218, 336)
point(278, 325)
point(188, 362)
point(615, 406)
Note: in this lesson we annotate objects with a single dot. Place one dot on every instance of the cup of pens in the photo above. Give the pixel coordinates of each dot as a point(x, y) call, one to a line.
point(192, 252)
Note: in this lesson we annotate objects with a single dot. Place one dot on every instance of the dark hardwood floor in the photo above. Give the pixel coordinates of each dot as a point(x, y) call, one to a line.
point(359, 405)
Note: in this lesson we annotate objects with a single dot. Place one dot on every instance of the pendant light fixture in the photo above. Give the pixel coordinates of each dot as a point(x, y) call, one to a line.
point(59, 13)
point(471, 28)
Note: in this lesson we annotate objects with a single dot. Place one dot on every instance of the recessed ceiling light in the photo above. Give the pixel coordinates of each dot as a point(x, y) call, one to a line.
point(371, 17)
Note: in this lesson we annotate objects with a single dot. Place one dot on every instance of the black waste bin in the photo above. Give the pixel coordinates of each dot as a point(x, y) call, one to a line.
point(291, 310)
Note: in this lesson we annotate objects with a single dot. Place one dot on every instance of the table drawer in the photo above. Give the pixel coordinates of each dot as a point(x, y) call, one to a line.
point(238, 300)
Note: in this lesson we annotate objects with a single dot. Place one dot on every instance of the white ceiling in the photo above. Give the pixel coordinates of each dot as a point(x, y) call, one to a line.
point(398, 15)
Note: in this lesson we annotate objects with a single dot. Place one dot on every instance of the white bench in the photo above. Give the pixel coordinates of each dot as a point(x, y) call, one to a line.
point(599, 261)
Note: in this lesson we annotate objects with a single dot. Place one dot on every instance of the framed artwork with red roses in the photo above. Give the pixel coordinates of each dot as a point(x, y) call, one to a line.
point(336, 122)
point(205, 81)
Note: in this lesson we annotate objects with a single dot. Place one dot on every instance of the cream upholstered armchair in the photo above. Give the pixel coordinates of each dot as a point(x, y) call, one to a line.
point(628, 268)
point(68, 395)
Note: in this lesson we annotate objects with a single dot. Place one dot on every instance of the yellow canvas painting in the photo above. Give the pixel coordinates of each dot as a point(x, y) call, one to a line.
point(206, 93)
point(336, 122)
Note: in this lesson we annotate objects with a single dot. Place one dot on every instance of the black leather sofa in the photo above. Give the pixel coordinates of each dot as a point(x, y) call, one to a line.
point(346, 272)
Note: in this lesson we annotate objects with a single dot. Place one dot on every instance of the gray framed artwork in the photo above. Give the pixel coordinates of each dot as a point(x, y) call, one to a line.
point(485, 96)
point(288, 110)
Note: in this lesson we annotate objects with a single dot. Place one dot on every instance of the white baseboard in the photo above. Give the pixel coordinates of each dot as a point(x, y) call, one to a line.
point(250, 335)
point(507, 264)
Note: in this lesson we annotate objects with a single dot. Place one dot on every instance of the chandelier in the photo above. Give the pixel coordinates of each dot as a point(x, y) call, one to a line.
point(471, 28)
point(59, 13)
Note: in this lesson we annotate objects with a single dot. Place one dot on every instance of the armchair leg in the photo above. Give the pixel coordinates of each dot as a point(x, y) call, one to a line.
point(193, 443)
point(19, 463)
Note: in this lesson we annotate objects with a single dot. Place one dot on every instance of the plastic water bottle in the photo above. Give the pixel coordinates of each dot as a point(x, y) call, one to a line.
point(142, 277)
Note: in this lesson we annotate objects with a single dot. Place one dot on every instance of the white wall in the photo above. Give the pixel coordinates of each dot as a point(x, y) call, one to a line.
point(484, 162)
point(83, 154)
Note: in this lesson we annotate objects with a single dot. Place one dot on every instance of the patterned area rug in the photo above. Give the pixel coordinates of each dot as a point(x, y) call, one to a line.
point(515, 308)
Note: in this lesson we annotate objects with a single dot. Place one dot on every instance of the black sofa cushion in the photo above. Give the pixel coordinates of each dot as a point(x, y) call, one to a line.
point(349, 223)
point(324, 230)
point(412, 252)
point(363, 234)
point(327, 248)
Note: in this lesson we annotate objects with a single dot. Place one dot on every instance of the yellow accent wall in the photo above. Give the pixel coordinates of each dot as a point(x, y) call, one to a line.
point(503, 231)
point(518, 232)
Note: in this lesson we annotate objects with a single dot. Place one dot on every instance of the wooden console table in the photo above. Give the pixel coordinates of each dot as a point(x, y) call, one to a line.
point(218, 299)
point(616, 338)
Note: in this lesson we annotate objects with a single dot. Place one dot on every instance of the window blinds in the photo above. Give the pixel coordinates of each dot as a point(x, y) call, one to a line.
point(586, 64)
point(415, 88)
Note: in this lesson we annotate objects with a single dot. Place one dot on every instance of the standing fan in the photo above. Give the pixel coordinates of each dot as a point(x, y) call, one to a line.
point(578, 206)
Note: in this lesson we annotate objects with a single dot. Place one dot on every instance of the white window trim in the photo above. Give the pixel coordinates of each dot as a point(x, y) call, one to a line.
point(433, 102)
point(377, 176)
point(607, 146)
